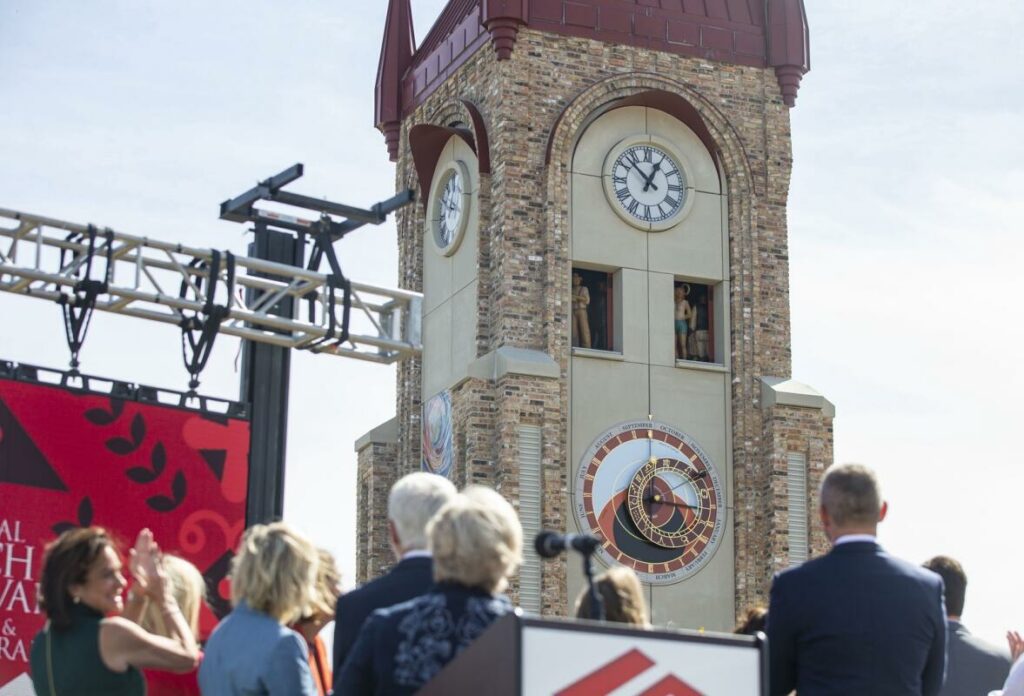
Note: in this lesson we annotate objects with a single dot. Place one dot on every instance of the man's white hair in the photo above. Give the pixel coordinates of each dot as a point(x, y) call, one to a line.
point(413, 501)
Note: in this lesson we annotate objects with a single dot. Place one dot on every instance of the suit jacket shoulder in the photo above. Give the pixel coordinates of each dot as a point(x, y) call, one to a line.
point(974, 666)
point(821, 611)
point(408, 579)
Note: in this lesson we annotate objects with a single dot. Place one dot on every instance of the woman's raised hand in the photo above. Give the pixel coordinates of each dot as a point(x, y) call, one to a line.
point(144, 563)
point(1016, 643)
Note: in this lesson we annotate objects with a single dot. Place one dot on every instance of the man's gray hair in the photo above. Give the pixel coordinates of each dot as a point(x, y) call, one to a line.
point(851, 495)
point(413, 500)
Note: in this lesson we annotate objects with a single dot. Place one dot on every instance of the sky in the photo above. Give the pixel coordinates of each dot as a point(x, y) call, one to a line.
point(905, 244)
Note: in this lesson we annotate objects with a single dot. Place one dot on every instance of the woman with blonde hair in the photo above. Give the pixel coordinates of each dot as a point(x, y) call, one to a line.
point(319, 614)
point(85, 647)
point(477, 543)
point(188, 587)
point(252, 650)
point(621, 594)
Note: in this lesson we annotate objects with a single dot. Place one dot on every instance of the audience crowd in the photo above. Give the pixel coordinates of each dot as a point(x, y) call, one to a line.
point(856, 620)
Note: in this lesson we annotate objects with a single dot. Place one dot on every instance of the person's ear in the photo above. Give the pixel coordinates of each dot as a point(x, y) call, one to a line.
point(883, 511)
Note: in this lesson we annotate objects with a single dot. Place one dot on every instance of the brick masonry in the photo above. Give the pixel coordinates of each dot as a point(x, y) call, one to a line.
point(535, 105)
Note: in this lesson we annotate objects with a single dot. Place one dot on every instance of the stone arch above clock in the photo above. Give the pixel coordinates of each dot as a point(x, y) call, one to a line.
point(427, 141)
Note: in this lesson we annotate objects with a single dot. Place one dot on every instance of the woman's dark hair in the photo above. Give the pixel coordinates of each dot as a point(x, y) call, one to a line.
point(66, 562)
point(752, 621)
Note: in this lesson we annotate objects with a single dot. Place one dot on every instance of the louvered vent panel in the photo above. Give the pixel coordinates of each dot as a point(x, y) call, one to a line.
point(799, 534)
point(529, 515)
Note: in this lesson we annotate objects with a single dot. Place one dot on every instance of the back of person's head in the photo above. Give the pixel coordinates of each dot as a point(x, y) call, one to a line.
point(955, 580)
point(188, 587)
point(752, 621)
point(328, 585)
point(622, 595)
point(274, 572)
point(66, 562)
point(851, 495)
point(413, 500)
point(476, 540)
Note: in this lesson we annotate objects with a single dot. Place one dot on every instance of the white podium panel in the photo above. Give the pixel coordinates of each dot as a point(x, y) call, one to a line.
point(588, 659)
point(520, 656)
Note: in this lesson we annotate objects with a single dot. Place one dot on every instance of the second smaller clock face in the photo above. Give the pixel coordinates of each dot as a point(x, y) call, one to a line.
point(646, 183)
point(449, 207)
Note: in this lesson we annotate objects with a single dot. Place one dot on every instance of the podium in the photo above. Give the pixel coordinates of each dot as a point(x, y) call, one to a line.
point(525, 656)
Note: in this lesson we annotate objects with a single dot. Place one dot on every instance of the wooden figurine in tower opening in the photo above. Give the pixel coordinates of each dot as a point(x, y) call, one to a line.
point(580, 320)
point(684, 313)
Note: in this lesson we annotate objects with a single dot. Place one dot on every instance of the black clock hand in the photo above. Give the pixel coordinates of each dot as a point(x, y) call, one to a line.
point(689, 480)
point(649, 180)
point(665, 502)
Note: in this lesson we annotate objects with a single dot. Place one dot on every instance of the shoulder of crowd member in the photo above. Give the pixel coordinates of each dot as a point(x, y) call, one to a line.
point(288, 671)
point(386, 612)
point(924, 576)
point(290, 641)
point(996, 653)
point(788, 574)
point(356, 594)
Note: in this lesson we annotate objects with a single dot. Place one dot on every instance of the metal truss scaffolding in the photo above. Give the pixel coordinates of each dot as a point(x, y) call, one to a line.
point(167, 282)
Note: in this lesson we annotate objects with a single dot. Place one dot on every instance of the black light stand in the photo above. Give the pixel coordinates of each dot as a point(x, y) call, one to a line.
point(265, 380)
point(281, 238)
point(596, 603)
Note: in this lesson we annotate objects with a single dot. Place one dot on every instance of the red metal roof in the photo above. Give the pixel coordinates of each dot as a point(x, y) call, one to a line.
point(758, 33)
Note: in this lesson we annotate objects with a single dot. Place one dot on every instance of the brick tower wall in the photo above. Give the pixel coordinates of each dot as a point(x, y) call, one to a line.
point(535, 105)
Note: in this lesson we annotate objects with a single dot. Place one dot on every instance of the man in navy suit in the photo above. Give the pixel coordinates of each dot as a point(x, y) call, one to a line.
point(412, 502)
point(857, 620)
point(972, 665)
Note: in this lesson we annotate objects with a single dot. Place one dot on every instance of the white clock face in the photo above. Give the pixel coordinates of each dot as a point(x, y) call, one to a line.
point(449, 206)
point(450, 209)
point(649, 184)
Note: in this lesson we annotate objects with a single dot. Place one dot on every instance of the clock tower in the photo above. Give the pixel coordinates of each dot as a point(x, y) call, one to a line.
point(601, 243)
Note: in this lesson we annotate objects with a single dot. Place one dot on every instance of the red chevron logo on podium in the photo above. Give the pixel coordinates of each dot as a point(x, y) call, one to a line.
point(619, 672)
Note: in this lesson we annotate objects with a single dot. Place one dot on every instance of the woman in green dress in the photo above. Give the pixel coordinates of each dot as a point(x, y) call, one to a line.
point(86, 647)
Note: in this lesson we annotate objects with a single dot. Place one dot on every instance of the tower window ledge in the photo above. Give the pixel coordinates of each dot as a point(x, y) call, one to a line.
point(697, 365)
point(599, 354)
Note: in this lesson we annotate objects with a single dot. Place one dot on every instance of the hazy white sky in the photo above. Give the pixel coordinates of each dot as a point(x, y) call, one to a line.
point(905, 238)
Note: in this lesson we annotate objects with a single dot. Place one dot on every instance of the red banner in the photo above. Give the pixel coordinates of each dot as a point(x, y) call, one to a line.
point(73, 458)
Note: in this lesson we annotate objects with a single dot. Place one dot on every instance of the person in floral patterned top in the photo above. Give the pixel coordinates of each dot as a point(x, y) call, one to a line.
point(477, 543)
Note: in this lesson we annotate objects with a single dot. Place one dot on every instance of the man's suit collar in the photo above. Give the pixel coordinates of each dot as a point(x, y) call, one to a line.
point(411, 563)
point(417, 553)
point(852, 538)
point(856, 547)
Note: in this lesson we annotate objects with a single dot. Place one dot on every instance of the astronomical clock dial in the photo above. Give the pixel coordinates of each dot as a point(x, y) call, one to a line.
point(654, 498)
point(449, 207)
point(646, 183)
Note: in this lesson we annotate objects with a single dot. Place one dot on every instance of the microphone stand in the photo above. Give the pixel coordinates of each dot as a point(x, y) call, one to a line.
point(596, 603)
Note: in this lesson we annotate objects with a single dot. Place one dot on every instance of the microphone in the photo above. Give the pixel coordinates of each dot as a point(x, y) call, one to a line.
point(549, 544)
